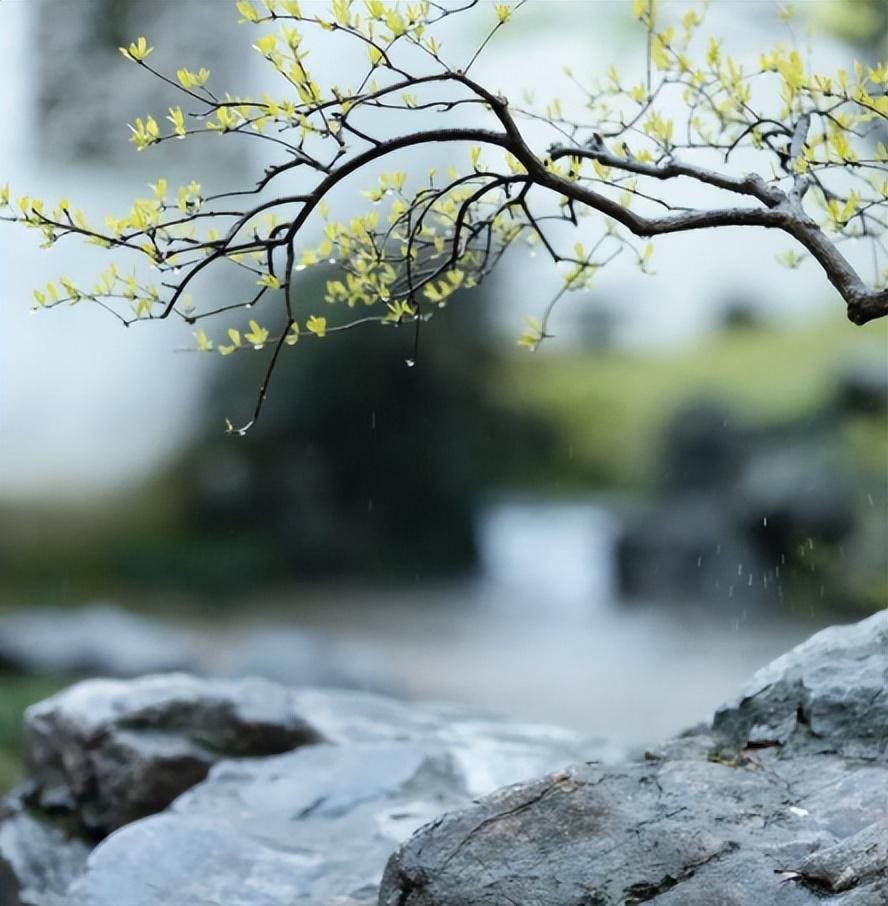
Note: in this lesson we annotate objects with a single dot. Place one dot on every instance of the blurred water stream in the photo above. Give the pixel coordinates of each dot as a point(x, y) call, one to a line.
point(541, 635)
point(633, 676)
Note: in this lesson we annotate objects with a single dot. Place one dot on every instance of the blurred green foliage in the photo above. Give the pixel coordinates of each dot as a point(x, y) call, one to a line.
point(860, 22)
point(16, 693)
point(608, 410)
point(369, 460)
point(363, 467)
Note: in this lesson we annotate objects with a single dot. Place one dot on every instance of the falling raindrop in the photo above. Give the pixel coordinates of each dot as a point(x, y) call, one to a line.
point(765, 521)
point(409, 362)
point(373, 421)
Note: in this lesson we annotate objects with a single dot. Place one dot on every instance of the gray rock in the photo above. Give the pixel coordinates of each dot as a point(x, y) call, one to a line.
point(851, 861)
point(829, 694)
point(690, 549)
point(97, 640)
point(762, 514)
point(702, 447)
point(39, 857)
point(112, 751)
point(282, 654)
point(689, 832)
point(488, 751)
point(782, 801)
point(803, 490)
point(862, 385)
point(105, 640)
point(284, 796)
point(292, 657)
point(316, 825)
point(313, 826)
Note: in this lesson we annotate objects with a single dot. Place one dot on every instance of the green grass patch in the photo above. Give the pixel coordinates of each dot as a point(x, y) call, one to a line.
point(609, 408)
point(16, 693)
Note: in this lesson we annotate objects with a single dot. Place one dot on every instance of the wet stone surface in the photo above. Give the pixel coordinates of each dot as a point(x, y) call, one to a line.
point(172, 789)
point(782, 801)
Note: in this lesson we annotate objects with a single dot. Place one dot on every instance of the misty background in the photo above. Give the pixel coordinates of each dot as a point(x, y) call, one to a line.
point(611, 533)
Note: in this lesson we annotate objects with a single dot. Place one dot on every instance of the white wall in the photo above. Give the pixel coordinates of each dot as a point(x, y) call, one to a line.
point(86, 406)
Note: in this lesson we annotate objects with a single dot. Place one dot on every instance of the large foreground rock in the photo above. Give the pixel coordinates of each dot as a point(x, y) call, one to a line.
point(39, 857)
point(251, 794)
point(248, 792)
point(784, 800)
point(112, 751)
point(314, 826)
